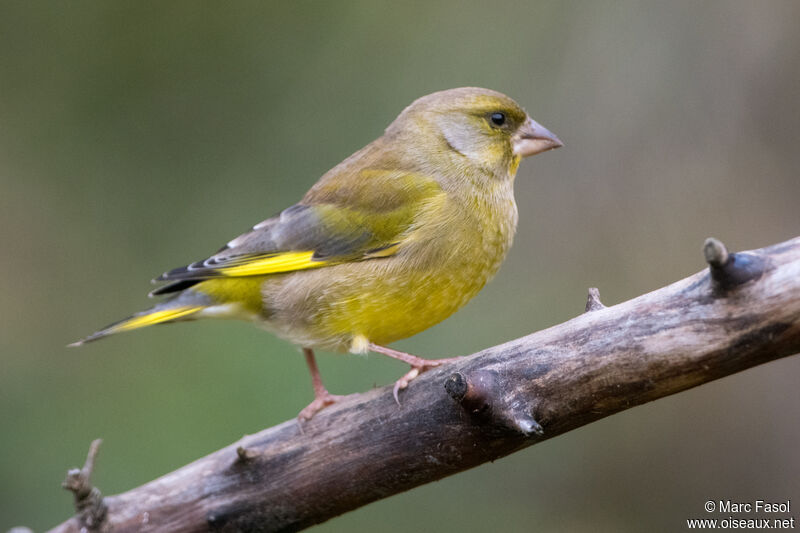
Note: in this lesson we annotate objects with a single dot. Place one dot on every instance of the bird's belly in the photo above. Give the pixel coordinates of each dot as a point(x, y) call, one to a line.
point(396, 307)
point(382, 300)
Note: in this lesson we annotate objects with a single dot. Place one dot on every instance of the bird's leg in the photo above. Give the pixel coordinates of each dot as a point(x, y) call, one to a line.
point(418, 365)
point(322, 398)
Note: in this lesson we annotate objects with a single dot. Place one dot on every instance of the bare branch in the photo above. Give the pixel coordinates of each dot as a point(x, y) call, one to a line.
point(742, 312)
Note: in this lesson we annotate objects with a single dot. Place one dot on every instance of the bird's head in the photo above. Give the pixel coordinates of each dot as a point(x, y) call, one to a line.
point(479, 127)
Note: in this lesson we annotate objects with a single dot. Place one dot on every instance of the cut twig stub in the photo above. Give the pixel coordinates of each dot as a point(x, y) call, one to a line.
point(593, 302)
point(729, 270)
point(480, 393)
point(91, 509)
point(715, 252)
point(245, 454)
point(476, 392)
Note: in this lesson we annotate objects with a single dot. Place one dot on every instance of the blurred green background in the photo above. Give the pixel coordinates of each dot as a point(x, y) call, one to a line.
point(139, 136)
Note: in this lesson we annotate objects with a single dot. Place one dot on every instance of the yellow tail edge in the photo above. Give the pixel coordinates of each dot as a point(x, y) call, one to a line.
point(148, 318)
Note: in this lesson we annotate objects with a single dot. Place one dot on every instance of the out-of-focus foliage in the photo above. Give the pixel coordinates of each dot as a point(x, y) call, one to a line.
point(138, 136)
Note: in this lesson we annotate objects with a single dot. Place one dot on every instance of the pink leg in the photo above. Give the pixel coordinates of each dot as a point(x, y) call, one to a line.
point(322, 398)
point(418, 365)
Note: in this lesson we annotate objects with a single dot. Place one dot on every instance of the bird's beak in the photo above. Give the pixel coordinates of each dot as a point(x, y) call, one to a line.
point(532, 138)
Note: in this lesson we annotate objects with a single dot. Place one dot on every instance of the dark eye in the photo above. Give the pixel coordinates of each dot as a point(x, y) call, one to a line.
point(498, 119)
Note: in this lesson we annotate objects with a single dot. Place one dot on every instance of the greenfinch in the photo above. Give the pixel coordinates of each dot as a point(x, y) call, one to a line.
point(391, 241)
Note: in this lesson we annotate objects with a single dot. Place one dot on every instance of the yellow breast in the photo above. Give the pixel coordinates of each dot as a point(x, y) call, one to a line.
point(445, 261)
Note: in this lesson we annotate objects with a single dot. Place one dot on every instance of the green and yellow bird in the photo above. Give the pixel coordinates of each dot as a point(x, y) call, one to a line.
point(391, 241)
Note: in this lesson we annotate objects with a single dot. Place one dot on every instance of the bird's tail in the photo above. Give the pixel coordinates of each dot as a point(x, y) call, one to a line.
point(213, 298)
point(169, 311)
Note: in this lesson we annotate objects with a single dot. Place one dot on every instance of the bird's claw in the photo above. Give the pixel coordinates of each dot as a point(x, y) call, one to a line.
point(319, 403)
point(415, 371)
point(403, 382)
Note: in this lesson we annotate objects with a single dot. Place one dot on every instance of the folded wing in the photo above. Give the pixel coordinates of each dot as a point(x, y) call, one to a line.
point(366, 220)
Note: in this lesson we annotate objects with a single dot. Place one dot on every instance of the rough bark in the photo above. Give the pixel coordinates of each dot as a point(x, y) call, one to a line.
point(742, 311)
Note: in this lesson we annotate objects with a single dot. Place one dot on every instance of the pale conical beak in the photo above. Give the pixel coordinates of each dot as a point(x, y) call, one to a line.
point(532, 138)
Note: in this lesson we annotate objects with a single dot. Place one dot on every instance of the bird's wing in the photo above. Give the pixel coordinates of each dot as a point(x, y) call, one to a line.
point(362, 218)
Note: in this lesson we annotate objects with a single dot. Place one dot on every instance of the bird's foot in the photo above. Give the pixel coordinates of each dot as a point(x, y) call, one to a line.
point(418, 367)
point(320, 402)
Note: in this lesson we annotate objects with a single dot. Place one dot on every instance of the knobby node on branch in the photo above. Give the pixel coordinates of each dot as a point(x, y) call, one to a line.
point(88, 500)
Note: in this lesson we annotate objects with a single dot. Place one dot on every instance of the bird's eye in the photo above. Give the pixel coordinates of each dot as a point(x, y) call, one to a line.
point(498, 119)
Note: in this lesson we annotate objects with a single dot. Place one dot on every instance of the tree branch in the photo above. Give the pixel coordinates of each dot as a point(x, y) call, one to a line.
point(742, 311)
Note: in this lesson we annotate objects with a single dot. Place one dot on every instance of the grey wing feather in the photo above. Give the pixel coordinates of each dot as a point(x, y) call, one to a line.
point(298, 228)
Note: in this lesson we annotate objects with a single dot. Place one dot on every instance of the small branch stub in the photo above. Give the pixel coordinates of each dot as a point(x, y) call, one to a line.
point(91, 509)
point(729, 270)
point(456, 386)
point(717, 255)
point(593, 302)
point(481, 395)
point(476, 394)
point(245, 454)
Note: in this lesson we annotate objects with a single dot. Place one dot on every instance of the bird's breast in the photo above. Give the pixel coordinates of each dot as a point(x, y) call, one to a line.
point(452, 250)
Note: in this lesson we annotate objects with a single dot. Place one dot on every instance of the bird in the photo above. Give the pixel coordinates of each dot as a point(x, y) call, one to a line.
point(389, 242)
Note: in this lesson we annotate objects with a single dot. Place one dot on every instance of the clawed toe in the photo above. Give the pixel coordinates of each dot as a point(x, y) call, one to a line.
point(418, 366)
point(319, 403)
point(415, 371)
point(403, 382)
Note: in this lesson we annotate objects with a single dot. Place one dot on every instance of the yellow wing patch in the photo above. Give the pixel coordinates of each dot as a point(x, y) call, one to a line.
point(155, 317)
point(271, 264)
